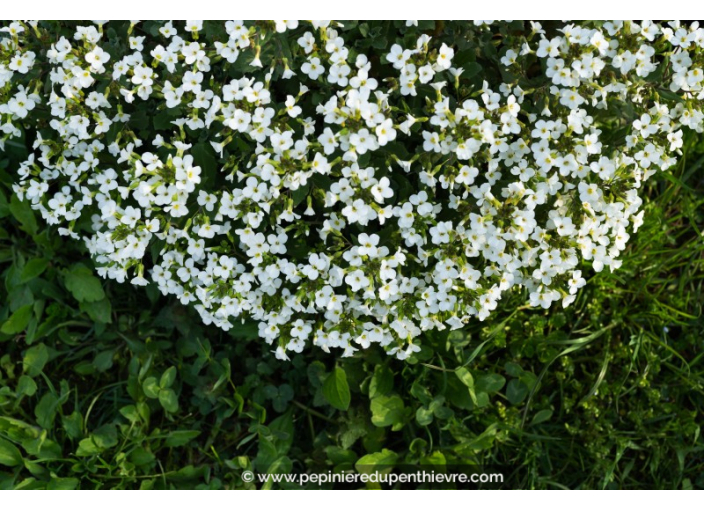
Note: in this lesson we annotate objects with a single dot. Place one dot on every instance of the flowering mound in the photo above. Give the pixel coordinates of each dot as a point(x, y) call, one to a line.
point(348, 183)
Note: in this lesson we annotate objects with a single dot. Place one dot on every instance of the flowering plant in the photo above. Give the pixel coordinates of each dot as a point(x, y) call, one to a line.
point(348, 183)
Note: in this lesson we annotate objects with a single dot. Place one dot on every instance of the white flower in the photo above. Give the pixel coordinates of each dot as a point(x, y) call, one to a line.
point(22, 62)
point(445, 55)
point(313, 68)
point(291, 108)
point(385, 132)
point(367, 202)
point(357, 280)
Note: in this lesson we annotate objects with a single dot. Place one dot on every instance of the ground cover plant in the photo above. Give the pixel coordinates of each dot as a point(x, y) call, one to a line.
point(425, 190)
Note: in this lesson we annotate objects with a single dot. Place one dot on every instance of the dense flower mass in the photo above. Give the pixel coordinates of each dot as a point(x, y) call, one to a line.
point(343, 183)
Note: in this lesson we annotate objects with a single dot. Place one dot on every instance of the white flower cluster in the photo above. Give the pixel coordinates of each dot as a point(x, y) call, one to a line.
point(313, 222)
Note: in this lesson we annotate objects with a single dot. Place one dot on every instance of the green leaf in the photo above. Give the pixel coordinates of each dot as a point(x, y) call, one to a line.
point(281, 398)
point(424, 416)
point(471, 70)
point(513, 369)
point(73, 424)
point(87, 447)
point(465, 376)
point(168, 378)
point(387, 410)
point(283, 430)
point(382, 461)
point(46, 409)
point(516, 391)
point(482, 399)
point(483, 441)
point(151, 387)
point(83, 285)
point(23, 213)
point(33, 269)
point(281, 465)
point(141, 457)
point(99, 311)
point(204, 157)
point(181, 437)
point(435, 459)
point(26, 386)
point(103, 361)
point(541, 416)
point(336, 390)
point(299, 194)
point(382, 381)
point(18, 321)
point(34, 359)
point(421, 393)
point(316, 373)
point(168, 400)
point(670, 96)
point(105, 436)
point(338, 455)
point(490, 383)
point(162, 121)
point(10, 456)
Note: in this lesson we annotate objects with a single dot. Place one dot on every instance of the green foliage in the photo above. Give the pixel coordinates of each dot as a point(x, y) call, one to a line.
point(103, 386)
point(85, 287)
point(336, 390)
